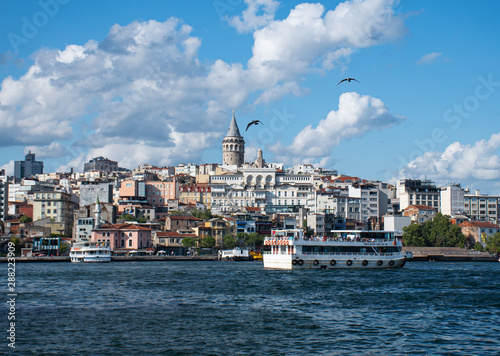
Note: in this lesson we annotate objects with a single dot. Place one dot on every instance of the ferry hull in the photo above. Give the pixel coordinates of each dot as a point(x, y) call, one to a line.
point(340, 262)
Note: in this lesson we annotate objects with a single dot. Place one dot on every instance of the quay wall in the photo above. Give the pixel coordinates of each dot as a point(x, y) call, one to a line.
point(449, 254)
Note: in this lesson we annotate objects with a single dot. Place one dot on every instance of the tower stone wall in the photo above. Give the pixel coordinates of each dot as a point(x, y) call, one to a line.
point(233, 146)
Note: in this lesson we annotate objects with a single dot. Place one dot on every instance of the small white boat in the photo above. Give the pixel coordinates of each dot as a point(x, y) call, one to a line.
point(236, 254)
point(86, 251)
point(349, 249)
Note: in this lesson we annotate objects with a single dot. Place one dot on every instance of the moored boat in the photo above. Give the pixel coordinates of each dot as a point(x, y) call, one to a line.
point(236, 254)
point(86, 251)
point(348, 249)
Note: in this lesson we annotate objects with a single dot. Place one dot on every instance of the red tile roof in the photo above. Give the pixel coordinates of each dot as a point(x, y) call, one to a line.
point(420, 207)
point(481, 224)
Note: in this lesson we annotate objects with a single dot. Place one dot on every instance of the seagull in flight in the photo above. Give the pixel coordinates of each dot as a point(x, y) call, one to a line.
point(254, 122)
point(349, 80)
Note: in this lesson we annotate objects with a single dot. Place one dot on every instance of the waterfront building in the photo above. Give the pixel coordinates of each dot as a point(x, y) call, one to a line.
point(479, 231)
point(481, 207)
point(418, 192)
point(59, 207)
point(4, 195)
point(100, 164)
point(27, 168)
point(233, 146)
point(171, 242)
point(123, 238)
point(452, 200)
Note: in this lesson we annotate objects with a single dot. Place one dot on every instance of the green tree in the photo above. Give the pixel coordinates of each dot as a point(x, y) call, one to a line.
point(479, 246)
point(203, 214)
point(189, 241)
point(229, 241)
point(413, 235)
point(438, 232)
point(142, 219)
point(208, 242)
point(128, 217)
point(25, 219)
point(255, 239)
point(493, 243)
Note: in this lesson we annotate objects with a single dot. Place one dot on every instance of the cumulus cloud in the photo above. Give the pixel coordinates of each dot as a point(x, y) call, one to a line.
point(9, 168)
point(429, 58)
point(145, 82)
point(258, 14)
point(356, 116)
point(459, 162)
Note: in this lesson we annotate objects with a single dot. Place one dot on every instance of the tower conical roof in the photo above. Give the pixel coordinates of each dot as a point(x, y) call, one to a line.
point(233, 131)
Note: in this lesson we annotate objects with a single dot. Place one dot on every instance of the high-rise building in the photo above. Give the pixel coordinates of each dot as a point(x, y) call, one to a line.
point(4, 195)
point(27, 168)
point(233, 146)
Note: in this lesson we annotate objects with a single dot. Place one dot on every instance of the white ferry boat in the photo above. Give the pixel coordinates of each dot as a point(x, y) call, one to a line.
point(349, 249)
point(86, 251)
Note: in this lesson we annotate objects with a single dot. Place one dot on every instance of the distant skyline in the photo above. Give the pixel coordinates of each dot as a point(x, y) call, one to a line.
point(156, 82)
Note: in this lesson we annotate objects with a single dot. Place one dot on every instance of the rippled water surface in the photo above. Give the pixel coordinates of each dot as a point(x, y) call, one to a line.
point(228, 308)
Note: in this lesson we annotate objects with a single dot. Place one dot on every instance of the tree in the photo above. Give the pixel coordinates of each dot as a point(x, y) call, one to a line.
point(203, 214)
point(479, 246)
point(254, 239)
point(493, 243)
point(142, 219)
point(208, 242)
point(25, 219)
point(188, 241)
point(128, 217)
point(229, 241)
point(438, 232)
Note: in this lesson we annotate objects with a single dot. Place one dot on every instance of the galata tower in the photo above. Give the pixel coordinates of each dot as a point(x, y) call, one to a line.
point(233, 146)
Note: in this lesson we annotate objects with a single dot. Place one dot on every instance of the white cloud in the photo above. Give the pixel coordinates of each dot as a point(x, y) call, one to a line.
point(356, 116)
point(9, 168)
point(429, 58)
point(479, 161)
point(55, 149)
point(145, 83)
point(258, 14)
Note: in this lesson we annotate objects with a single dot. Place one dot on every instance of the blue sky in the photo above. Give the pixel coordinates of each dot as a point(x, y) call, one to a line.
point(156, 82)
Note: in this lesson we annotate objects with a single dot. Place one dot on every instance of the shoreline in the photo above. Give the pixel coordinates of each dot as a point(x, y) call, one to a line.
point(420, 254)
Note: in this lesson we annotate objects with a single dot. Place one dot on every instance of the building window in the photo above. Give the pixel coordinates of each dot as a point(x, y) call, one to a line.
point(129, 243)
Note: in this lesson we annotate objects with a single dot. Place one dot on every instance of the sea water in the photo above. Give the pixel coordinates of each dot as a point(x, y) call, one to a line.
point(240, 308)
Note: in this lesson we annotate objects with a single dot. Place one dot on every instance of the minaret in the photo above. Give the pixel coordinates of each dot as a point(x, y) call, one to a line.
point(259, 161)
point(233, 146)
point(97, 212)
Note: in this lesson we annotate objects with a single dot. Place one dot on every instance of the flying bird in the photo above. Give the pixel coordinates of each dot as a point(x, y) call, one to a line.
point(254, 122)
point(349, 80)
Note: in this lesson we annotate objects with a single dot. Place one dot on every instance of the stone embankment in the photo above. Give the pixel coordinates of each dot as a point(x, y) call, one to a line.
point(450, 254)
